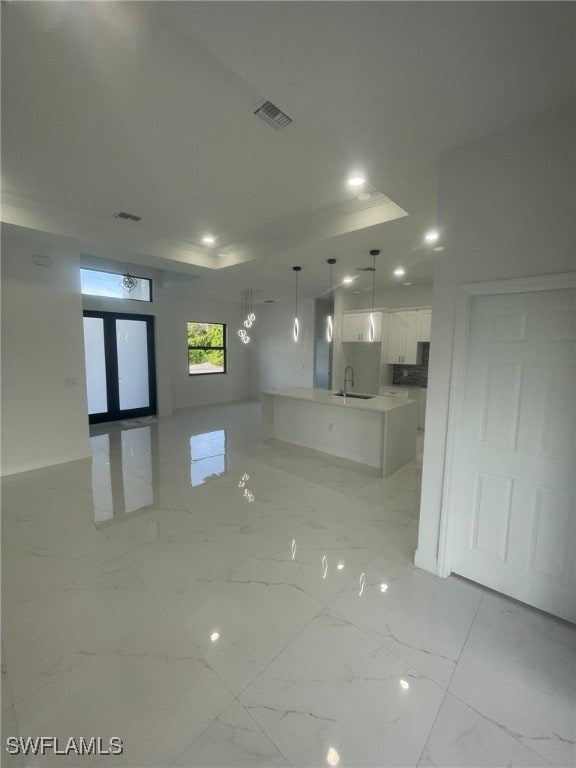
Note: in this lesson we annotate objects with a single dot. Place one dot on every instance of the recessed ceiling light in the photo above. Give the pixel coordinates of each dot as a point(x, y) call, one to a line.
point(399, 272)
point(431, 236)
point(332, 758)
point(208, 240)
point(214, 636)
point(356, 180)
point(364, 196)
point(439, 248)
point(347, 280)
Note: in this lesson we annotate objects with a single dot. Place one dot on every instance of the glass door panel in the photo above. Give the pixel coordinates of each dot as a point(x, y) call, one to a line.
point(95, 365)
point(132, 352)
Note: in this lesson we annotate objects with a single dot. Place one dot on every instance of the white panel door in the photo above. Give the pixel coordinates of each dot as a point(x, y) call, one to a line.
point(514, 512)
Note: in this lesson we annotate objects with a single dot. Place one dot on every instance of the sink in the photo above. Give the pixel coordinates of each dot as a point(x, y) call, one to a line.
point(357, 397)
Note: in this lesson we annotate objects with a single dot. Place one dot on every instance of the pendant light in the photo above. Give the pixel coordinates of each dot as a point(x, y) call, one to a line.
point(128, 282)
point(247, 314)
point(296, 329)
point(329, 319)
point(372, 327)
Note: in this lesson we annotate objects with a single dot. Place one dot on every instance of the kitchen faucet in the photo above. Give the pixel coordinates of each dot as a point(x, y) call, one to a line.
point(346, 379)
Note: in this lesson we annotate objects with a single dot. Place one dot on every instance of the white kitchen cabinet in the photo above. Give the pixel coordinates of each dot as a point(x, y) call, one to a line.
point(404, 331)
point(396, 338)
point(412, 321)
point(399, 391)
point(425, 324)
point(351, 327)
point(356, 326)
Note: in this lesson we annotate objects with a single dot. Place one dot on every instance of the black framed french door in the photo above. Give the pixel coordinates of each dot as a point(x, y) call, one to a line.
point(120, 365)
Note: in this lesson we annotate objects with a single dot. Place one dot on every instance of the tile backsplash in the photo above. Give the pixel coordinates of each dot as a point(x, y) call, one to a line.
point(417, 375)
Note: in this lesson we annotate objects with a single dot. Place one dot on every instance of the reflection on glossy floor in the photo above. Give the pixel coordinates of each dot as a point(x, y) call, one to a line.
point(214, 600)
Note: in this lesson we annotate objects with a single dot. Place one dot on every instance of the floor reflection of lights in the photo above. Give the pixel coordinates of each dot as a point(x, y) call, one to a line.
point(291, 631)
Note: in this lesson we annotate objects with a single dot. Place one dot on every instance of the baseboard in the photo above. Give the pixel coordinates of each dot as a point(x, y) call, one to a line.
point(16, 469)
point(425, 561)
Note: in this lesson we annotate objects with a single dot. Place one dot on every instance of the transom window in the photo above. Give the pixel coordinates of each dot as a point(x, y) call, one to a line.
point(114, 286)
point(206, 348)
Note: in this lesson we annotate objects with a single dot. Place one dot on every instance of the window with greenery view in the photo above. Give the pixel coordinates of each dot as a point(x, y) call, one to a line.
point(206, 348)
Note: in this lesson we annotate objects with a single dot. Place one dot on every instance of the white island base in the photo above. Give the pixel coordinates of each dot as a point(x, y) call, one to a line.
point(380, 432)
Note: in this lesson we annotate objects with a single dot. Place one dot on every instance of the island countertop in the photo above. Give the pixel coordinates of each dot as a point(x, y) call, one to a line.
point(380, 432)
point(376, 403)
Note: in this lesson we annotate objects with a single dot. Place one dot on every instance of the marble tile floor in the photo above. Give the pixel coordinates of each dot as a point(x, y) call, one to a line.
point(216, 600)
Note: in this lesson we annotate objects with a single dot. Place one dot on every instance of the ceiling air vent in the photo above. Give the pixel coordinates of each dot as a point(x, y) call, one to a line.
point(123, 216)
point(273, 116)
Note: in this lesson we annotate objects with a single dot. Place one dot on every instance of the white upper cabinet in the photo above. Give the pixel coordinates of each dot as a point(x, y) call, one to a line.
point(396, 337)
point(406, 329)
point(356, 326)
point(425, 324)
point(412, 321)
point(351, 327)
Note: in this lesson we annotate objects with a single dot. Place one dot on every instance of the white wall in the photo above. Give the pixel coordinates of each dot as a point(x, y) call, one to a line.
point(506, 210)
point(178, 300)
point(177, 305)
point(44, 410)
point(404, 296)
point(44, 419)
point(279, 363)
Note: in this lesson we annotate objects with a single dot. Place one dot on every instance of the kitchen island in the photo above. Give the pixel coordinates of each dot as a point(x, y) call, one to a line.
point(378, 431)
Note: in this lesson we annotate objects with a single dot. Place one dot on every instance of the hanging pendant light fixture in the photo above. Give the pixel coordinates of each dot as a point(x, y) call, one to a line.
point(372, 327)
point(296, 329)
point(249, 316)
point(329, 319)
point(128, 282)
point(247, 313)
